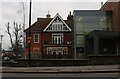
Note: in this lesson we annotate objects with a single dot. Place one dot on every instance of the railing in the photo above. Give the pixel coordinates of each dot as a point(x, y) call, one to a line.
point(64, 43)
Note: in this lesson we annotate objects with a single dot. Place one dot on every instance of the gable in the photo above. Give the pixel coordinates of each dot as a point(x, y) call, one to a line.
point(57, 24)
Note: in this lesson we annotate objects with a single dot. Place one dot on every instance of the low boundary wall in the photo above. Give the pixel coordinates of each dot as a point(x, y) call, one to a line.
point(92, 60)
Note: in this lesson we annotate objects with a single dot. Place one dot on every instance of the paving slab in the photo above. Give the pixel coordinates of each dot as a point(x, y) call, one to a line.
point(101, 68)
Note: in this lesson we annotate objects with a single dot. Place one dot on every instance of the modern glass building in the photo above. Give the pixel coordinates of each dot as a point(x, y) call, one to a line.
point(86, 21)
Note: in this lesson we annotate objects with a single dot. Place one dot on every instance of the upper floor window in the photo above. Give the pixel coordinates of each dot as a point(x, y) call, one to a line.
point(36, 38)
point(57, 27)
point(57, 38)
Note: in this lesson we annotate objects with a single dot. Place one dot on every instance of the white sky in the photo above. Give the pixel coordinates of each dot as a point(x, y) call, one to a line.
point(9, 11)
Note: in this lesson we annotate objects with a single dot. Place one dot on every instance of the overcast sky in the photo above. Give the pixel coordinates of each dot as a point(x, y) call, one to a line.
point(9, 11)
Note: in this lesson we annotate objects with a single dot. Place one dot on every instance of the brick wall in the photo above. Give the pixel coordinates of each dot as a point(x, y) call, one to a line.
point(115, 7)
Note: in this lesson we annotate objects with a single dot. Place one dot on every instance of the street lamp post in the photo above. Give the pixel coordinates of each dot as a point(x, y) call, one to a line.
point(1, 36)
point(29, 35)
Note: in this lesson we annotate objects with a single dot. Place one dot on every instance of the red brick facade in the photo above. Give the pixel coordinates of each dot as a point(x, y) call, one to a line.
point(115, 8)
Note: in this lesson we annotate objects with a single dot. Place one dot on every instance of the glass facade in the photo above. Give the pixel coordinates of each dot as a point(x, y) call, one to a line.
point(80, 41)
point(88, 21)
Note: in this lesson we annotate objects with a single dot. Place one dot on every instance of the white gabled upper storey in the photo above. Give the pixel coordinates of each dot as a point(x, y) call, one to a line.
point(57, 24)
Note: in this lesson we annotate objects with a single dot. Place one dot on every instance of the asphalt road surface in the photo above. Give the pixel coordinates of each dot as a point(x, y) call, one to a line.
point(61, 76)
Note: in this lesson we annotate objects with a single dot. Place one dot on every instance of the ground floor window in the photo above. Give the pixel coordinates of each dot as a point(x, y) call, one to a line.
point(57, 50)
point(36, 50)
point(54, 51)
point(60, 51)
point(35, 53)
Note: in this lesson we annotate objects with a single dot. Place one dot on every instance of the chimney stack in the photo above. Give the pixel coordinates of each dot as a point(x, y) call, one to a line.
point(70, 16)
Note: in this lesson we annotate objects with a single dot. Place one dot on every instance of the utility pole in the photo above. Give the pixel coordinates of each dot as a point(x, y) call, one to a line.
point(29, 36)
point(1, 37)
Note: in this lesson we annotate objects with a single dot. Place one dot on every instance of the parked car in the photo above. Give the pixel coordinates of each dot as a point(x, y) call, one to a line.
point(8, 56)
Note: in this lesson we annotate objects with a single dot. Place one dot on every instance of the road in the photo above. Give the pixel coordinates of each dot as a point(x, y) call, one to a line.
point(60, 75)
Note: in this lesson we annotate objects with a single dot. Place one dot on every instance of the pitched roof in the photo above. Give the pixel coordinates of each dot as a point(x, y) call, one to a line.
point(39, 25)
point(42, 23)
point(69, 23)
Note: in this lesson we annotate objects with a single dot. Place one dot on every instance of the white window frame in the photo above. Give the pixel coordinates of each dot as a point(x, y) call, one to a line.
point(34, 38)
point(56, 26)
point(65, 52)
point(59, 36)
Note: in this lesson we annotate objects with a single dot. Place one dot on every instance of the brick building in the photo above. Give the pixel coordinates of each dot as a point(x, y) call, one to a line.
point(51, 37)
point(114, 7)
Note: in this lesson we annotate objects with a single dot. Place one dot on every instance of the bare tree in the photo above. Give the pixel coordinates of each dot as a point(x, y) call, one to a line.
point(22, 11)
point(17, 29)
point(9, 33)
point(17, 34)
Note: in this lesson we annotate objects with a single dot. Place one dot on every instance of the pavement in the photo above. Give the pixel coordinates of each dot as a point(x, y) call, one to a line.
point(63, 69)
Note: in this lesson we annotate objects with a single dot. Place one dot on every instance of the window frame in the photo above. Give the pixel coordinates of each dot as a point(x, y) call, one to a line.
point(34, 39)
point(56, 36)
